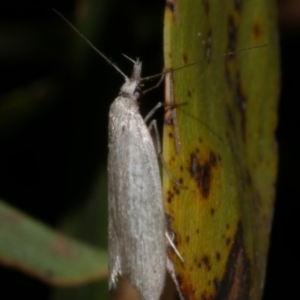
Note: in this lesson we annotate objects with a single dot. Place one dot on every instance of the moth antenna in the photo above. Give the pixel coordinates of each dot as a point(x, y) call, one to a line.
point(89, 42)
point(205, 59)
point(130, 59)
point(231, 53)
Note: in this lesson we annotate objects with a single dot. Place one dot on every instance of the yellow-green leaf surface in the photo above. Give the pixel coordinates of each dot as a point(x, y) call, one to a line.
point(30, 246)
point(228, 156)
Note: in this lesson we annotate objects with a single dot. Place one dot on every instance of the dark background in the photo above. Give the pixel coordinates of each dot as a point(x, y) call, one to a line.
point(70, 122)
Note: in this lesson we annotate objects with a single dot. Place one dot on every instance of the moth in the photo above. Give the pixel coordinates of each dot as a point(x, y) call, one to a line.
point(138, 237)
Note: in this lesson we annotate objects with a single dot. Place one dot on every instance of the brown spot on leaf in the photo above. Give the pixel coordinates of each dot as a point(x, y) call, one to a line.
point(206, 261)
point(257, 30)
point(170, 196)
point(189, 94)
point(238, 4)
point(203, 173)
point(236, 281)
point(228, 241)
point(212, 211)
point(176, 189)
point(172, 6)
point(195, 165)
point(187, 289)
point(206, 6)
point(218, 256)
point(241, 103)
point(185, 58)
point(232, 37)
point(213, 159)
point(206, 296)
point(230, 117)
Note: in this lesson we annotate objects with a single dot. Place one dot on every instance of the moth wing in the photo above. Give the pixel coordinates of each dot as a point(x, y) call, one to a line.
point(137, 225)
point(171, 270)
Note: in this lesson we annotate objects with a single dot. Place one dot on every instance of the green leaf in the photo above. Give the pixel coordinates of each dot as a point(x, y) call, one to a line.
point(228, 157)
point(28, 245)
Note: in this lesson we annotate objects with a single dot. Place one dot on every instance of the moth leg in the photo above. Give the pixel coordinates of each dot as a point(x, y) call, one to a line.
point(156, 85)
point(170, 265)
point(170, 242)
point(170, 117)
point(152, 111)
point(153, 125)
